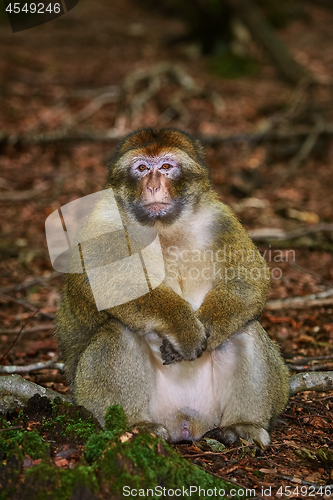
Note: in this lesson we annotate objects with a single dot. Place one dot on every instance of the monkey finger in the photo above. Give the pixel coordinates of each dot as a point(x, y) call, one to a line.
point(168, 353)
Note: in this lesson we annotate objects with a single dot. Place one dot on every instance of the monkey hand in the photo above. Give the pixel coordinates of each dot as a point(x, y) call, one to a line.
point(188, 345)
point(216, 331)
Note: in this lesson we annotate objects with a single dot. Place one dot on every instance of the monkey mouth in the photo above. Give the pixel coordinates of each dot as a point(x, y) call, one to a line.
point(150, 213)
point(157, 208)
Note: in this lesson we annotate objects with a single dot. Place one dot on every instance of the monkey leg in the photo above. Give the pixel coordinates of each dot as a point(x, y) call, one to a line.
point(259, 388)
point(116, 369)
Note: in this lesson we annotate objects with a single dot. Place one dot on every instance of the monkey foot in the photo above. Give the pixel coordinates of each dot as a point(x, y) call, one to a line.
point(156, 429)
point(251, 432)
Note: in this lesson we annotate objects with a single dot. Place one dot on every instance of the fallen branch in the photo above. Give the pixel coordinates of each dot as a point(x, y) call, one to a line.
point(33, 367)
point(314, 300)
point(15, 392)
point(29, 194)
point(114, 134)
point(314, 381)
point(59, 136)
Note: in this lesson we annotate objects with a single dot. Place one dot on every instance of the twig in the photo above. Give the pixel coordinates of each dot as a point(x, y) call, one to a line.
point(227, 450)
point(311, 273)
point(17, 336)
point(310, 359)
point(313, 300)
point(34, 329)
point(304, 151)
point(13, 428)
point(5, 184)
point(52, 364)
point(32, 282)
point(26, 305)
point(296, 99)
point(263, 136)
point(96, 104)
point(29, 194)
point(266, 234)
point(60, 135)
point(312, 368)
point(91, 93)
point(314, 381)
point(132, 100)
point(305, 483)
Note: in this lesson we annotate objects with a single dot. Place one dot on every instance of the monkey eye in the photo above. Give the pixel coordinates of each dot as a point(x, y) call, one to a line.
point(166, 166)
point(142, 167)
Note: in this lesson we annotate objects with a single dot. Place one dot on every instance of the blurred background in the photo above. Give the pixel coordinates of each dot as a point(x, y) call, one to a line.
point(251, 79)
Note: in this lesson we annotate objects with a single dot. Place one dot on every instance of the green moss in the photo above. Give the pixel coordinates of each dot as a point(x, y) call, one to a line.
point(138, 461)
point(230, 65)
point(70, 421)
point(96, 444)
point(45, 482)
point(115, 419)
point(33, 445)
point(148, 462)
point(29, 441)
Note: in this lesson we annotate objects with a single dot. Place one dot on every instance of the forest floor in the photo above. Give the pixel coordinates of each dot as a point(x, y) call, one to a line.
point(49, 73)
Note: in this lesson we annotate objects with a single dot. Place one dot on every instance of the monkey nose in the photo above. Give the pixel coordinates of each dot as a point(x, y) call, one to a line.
point(153, 189)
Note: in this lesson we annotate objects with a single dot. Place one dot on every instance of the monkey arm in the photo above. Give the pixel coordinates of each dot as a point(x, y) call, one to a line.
point(170, 316)
point(161, 311)
point(241, 284)
point(227, 309)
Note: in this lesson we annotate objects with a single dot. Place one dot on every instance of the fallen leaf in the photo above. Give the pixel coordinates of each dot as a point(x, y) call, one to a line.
point(268, 471)
point(126, 437)
point(215, 445)
point(28, 462)
point(61, 462)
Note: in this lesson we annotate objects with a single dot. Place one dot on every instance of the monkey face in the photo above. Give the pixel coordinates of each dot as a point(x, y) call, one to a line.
point(158, 175)
point(156, 180)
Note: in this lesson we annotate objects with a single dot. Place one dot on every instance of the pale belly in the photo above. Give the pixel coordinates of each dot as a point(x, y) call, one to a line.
point(189, 397)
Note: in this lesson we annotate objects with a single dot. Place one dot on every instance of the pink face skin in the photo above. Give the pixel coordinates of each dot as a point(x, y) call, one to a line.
point(154, 175)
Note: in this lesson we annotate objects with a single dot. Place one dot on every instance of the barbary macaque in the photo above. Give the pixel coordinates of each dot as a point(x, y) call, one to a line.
point(190, 355)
